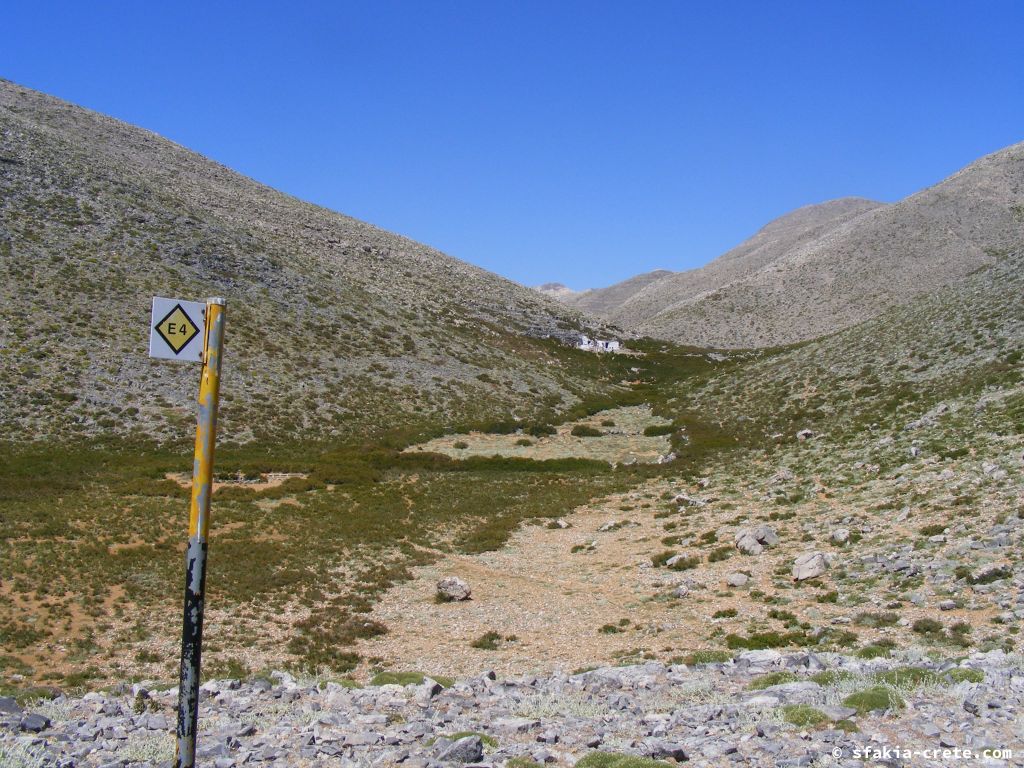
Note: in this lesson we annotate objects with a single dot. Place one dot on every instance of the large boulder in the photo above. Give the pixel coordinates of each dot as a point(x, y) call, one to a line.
point(810, 565)
point(752, 541)
point(453, 589)
point(737, 579)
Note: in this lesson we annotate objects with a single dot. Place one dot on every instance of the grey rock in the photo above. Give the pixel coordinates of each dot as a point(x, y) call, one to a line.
point(34, 723)
point(737, 579)
point(9, 706)
point(453, 589)
point(809, 565)
point(469, 749)
point(752, 541)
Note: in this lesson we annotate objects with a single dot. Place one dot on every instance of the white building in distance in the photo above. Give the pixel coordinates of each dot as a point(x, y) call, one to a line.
point(598, 345)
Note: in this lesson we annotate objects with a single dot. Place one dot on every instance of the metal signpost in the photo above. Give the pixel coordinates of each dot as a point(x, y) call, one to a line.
point(188, 330)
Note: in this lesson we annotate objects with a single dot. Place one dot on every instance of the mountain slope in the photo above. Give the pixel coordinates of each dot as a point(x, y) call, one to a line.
point(334, 325)
point(604, 301)
point(828, 267)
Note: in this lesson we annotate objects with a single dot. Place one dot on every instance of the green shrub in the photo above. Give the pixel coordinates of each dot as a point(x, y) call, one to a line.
point(582, 430)
point(488, 641)
point(725, 613)
point(685, 563)
point(872, 619)
point(720, 553)
point(831, 677)
point(706, 657)
point(488, 741)
point(759, 641)
point(770, 679)
point(522, 762)
point(803, 715)
point(966, 675)
point(870, 699)
point(614, 760)
point(907, 677)
point(656, 430)
point(928, 627)
point(878, 649)
point(541, 430)
point(661, 558)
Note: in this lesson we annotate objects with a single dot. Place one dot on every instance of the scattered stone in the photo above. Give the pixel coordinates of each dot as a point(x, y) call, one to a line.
point(453, 589)
point(840, 535)
point(689, 501)
point(550, 719)
point(805, 434)
point(810, 565)
point(9, 706)
point(469, 749)
point(34, 723)
point(737, 579)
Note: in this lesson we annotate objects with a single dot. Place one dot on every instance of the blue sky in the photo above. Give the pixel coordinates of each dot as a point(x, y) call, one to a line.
point(580, 142)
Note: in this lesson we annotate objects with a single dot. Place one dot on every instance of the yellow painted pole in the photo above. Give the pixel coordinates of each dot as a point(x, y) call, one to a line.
point(198, 531)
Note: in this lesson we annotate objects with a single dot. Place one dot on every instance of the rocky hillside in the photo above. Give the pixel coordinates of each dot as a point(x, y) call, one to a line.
point(333, 325)
point(605, 302)
point(555, 290)
point(830, 266)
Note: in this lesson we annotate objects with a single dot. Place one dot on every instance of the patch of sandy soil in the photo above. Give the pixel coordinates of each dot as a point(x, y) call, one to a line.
point(266, 481)
point(555, 601)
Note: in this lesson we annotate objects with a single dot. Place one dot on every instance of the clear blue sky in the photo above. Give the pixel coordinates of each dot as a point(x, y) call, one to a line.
point(580, 142)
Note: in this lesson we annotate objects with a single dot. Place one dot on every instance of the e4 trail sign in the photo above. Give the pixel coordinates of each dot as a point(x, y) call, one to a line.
point(177, 329)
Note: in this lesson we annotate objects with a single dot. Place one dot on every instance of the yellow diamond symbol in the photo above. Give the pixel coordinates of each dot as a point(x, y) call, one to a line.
point(177, 329)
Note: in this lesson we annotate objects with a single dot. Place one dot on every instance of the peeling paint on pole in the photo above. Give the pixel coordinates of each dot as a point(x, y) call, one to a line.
point(198, 531)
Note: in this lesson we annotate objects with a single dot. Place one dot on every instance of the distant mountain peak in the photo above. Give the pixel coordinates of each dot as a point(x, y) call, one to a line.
point(827, 266)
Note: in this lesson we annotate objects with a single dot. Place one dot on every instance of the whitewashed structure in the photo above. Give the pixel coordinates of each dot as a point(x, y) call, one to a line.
point(598, 345)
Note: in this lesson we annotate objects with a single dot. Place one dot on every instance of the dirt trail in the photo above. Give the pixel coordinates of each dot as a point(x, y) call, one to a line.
point(554, 601)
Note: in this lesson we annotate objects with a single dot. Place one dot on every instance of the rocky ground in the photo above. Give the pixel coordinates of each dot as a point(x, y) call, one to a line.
point(762, 708)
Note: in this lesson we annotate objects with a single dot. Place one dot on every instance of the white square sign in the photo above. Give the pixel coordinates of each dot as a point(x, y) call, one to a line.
point(177, 329)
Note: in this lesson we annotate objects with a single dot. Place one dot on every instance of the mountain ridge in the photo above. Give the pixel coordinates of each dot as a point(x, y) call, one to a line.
point(851, 260)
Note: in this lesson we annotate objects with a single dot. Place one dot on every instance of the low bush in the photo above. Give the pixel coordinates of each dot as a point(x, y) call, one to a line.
point(803, 715)
point(876, 698)
point(770, 679)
